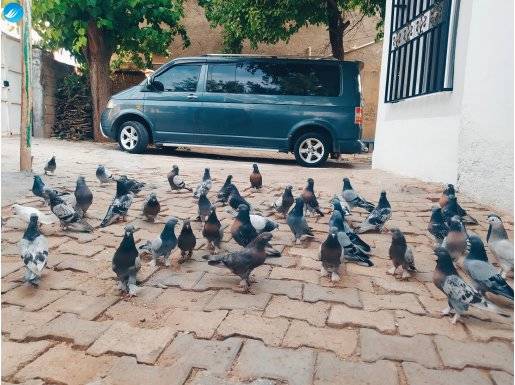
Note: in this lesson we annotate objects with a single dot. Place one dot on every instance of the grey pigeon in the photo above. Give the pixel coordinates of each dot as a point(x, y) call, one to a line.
point(103, 174)
point(242, 230)
point(69, 217)
point(186, 241)
point(355, 239)
point(459, 294)
point(351, 252)
point(485, 276)
point(175, 181)
point(151, 207)
point(204, 207)
point(341, 205)
point(223, 194)
point(213, 231)
point(120, 204)
point(41, 190)
point(131, 185)
point(126, 262)
point(460, 211)
point(330, 254)
point(499, 244)
point(83, 195)
point(205, 185)
point(50, 166)
point(437, 227)
point(378, 217)
point(401, 255)
point(164, 244)
point(34, 251)
point(456, 240)
point(235, 199)
point(353, 199)
point(285, 201)
point(310, 199)
point(297, 222)
point(243, 262)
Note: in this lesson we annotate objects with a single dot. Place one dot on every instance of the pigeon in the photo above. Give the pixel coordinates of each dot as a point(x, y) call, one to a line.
point(351, 253)
point(456, 240)
point(176, 182)
point(499, 244)
point(263, 224)
point(126, 262)
point(341, 205)
point(378, 217)
point(437, 227)
point(25, 212)
point(235, 199)
point(459, 294)
point(69, 217)
point(242, 230)
point(354, 238)
point(213, 231)
point(310, 200)
point(353, 199)
point(256, 180)
point(283, 204)
point(39, 189)
point(34, 251)
point(103, 174)
point(50, 166)
point(444, 199)
point(186, 241)
point(120, 204)
point(205, 185)
point(297, 222)
point(204, 207)
point(243, 262)
point(401, 255)
point(483, 274)
point(132, 185)
point(83, 195)
point(151, 207)
point(330, 253)
point(223, 194)
point(163, 245)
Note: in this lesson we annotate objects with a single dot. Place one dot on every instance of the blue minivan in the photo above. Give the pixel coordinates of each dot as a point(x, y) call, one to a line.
point(311, 107)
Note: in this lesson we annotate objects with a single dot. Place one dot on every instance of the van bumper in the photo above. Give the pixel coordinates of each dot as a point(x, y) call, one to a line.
point(353, 146)
point(106, 124)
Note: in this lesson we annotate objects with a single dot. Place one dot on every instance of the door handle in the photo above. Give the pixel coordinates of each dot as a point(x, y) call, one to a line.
point(192, 97)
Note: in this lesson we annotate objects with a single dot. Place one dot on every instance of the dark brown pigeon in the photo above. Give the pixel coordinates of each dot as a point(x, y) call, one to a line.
point(213, 231)
point(186, 241)
point(256, 180)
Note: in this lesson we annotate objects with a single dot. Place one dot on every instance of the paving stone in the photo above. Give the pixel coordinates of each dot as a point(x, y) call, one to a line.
point(257, 360)
point(487, 330)
point(342, 341)
point(202, 323)
point(19, 323)
point(375, 346)
point(350, 281)
point(309, 263)
point(284, 261)
point(310, 276)
point(406, 301)
point(31, 298)
point(348, 296)
point(177, 298)
point(68, 326)
point(392, 285)
point(145, 344)
point(229, 300)
point(206, 378)
point(330, 370)
point(76, 248)
point(291, 289)
point(341, 316)
point(270, 330)
point(167, 277)
point(85, 306)
point(457, 354)
point(11, 267)
point(418, 375)
point(15, 355)
point(410, 325)
point(63, 365)
point(501, 378)
point(281, 306)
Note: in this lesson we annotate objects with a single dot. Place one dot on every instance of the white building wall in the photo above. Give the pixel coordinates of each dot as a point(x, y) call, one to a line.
point(434, 137)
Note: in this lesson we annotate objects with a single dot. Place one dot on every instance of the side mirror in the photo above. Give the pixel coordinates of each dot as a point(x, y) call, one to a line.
point(155, 85)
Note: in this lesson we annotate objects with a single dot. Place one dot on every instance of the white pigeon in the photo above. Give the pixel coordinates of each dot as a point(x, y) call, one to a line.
point(499, 244)
point(24, 212)
point(34, 251)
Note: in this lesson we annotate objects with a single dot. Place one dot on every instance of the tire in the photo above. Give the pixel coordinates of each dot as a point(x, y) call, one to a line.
point(133, 137)
point(307, 151)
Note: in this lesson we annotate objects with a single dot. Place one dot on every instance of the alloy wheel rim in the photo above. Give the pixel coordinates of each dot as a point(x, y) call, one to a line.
point(129, 137)
point(311, 150)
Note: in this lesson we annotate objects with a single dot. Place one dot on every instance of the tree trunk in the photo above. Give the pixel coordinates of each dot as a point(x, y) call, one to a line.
point(336, 27)
point(99, 57)
point(26, 89)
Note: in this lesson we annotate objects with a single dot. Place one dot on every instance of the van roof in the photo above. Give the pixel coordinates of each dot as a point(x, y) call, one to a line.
point(231, 57)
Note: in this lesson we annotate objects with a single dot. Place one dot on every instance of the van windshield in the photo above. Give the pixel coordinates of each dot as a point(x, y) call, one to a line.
point(274, 78)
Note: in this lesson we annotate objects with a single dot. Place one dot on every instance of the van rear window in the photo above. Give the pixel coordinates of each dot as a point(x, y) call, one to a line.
point(274, 78)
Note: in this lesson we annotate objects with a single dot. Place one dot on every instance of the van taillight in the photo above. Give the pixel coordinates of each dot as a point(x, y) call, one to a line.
point(358, 115)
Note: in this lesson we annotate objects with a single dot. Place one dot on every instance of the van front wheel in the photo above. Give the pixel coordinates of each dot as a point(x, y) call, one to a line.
point(311, 149)
point(133, 137)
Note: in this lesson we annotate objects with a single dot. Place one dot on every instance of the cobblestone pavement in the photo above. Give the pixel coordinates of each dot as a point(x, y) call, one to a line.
point(189, 325)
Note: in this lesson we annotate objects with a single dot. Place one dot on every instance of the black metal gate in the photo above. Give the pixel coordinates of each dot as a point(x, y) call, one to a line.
point(418, 51)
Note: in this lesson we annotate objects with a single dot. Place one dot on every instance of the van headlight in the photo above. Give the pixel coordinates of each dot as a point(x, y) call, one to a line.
point(110, 104)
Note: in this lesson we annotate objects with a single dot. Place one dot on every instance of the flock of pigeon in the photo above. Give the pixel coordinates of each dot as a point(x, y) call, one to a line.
point(253, 232)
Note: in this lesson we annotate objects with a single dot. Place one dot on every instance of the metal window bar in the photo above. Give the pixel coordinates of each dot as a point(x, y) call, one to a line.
point(418, 52)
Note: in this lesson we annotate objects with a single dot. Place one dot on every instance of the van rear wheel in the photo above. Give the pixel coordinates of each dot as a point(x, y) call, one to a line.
point(311, 149)
point(133, 137)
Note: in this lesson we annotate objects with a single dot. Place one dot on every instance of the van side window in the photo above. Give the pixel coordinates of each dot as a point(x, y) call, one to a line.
point(222, 78)
point(180, 78)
